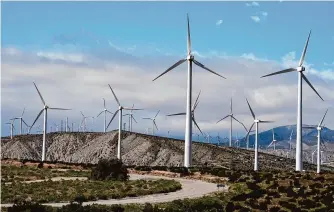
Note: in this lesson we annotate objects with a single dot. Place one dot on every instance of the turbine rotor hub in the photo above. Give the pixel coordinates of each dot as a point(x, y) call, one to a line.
point(120, 107)
point(256, 121)
point(46, 107)
point(300, 68)
point(190, 57)
point(319, 128)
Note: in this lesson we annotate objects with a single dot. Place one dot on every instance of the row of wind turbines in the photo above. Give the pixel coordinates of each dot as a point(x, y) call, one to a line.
point(190, 110)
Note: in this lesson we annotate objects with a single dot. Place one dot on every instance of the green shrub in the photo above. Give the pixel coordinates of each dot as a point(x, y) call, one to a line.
point(110, 170)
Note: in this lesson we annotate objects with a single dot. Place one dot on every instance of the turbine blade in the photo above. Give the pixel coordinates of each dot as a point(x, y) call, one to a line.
point(308, 82)
point(112, 118)
point(155, 125)
point(197, 125)
point(119, 104)
point(104, 103)
point(23, 112)
point(100, 113)
point(188, 40)
point(127, 108)
point(37, 118)
point(195, 103)
point(240, 123)
point(231, 107)
point(304, 51)
point(82, 114)
point(266, 121)
point(250, 109)
point(147, 118)
point(322, 119)
point(156, 114)
point(195, 106)
point(109, 112)
point(55, 108)
point(134, 119)
point(250, 130)
point(222, 119)
point(280, 72)
point(308, 127)
point(39, 93)
point(170, 68)
point(176, 114)
point(202, 66)
point(25, 123)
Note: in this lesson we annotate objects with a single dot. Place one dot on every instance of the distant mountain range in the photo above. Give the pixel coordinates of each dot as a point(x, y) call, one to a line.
point(282, 135)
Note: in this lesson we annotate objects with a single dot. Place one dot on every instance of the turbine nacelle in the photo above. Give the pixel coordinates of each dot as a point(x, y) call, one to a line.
point(190, 57)
point(319, 128)
point(257, 121)
point(300, 68)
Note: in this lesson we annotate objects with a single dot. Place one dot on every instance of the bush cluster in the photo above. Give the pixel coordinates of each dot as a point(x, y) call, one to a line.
point(112, 169)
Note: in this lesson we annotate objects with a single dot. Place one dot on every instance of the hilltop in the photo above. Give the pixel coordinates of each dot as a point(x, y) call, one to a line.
point(137, 149)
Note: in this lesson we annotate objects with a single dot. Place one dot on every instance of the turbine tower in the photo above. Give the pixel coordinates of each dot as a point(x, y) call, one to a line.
point(120, 110)
point(105, 115)
point(21, 120)
point(256, 122)
point(188, 132)
point(153, 122)
point(11, 128)
point(319, 128)
point(300, 69)
point(273, 142)
point(84, 121)
point(45, 109)
point(232, 117)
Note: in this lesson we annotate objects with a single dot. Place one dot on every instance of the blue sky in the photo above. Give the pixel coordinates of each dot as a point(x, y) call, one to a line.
point(80, 47)
point(283, 29)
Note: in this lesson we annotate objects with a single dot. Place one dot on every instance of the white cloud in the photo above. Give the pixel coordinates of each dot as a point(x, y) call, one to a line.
point(254, 4)
point(265, 14)
point(219, 22)
point(83, 87)
point(256, 18)
point(76, 58)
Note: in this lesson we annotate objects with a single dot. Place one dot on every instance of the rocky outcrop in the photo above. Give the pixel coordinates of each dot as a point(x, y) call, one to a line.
point(137, 149)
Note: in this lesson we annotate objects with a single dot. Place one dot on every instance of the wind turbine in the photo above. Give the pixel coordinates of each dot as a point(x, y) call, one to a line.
point(105, 114)
point(192, 113)
point(120, 110)
point(130, 118)
point(300, 69)
point(256, 122)
point(45, 109)
point(21, 120)
point(153, 122)
point(11, 128)
point(232, 117)
point(291, 139)
point(273, 142)
point(84, 121)
point(188, 132)
point(319, 128)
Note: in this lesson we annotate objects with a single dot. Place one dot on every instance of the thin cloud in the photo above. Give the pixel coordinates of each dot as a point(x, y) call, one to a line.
point(265, 14)
point(253, 4)
point(256, 19)
point(219, 22)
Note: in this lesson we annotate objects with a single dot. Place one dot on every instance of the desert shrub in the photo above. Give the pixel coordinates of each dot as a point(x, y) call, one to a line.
point(143, 168)
point(230, 206)
point(29, 206)
point(110, 170)
point(252, 186)
point(40, 165)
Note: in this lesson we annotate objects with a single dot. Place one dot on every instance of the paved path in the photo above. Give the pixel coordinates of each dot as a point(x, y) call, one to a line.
point(190, 189)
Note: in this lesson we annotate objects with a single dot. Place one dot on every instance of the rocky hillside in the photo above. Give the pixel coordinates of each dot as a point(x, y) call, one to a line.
point(137, 149)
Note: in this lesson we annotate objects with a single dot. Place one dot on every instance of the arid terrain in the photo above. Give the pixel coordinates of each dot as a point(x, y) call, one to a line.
point(137, 149)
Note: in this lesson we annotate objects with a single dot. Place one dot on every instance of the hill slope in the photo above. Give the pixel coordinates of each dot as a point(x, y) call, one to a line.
point(137, 149)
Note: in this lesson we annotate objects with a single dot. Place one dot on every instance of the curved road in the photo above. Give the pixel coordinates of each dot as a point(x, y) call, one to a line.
point(190, 189)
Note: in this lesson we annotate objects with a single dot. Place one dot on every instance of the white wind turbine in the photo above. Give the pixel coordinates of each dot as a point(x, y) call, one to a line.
point(105, 111)
point(232, 117)
point(153, 122)
point(84, 121)
point(188, 132)
point(21, 120)
point(319, 128)
point(45, 109)
point(131, 117)
point(192, 113)
point(256, 122)
point(300, 69)
point(120, 110)
point(11, 128)
point(273, 142)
